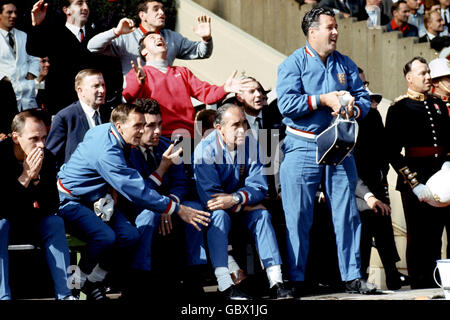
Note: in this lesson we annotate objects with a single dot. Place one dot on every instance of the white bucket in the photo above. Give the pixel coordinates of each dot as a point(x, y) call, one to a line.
point(444, 272)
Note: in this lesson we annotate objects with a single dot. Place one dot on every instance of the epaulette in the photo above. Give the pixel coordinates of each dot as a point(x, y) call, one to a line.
point(403, 96)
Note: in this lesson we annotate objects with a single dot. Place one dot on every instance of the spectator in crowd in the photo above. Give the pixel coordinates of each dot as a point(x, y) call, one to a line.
point(419, 123)
point(16, 65)
point(373, 14)
point(416, 13)
point(308, 107)
point(66, 46)
point(172, 87)
point(431, 5)
point(71, 123)
point(231, 184)
point(99, 167)
point(29, 184)
point(372, 194)
point(123, 40)
point(39, 82)
point(348, 8)
point(154, 159)
point(434, 26)
point(399, 22)
point(445, 13)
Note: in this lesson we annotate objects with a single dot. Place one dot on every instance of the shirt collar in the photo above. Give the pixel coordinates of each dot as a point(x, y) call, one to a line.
point(5, 32)
point(144, 31)
point(396, 27)
point(88, 109)
point(416, 95)
point(75, 30)
point(252, 119)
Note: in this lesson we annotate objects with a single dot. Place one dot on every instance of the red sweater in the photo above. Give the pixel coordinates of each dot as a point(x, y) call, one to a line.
point(173, 91)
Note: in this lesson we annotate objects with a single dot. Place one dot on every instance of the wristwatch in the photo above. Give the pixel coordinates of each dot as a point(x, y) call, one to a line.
point(237, 197)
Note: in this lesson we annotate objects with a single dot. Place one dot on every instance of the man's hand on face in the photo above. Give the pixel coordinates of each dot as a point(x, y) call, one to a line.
point(32, 166)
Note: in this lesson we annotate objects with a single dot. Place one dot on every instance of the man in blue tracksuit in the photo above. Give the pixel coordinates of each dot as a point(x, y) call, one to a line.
point(100, 165)
point(310, 82)
point(153, 156)
point(230, 183)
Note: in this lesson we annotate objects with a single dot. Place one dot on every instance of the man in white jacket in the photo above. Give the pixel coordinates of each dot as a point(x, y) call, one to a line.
point(16, 65)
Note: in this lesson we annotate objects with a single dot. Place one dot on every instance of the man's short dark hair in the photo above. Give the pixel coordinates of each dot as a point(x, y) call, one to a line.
point(5, 2)
point(407, 67)
point(19, 119)
point(311, 18)
point(123, 110)
point(221, 112)
point(396, 5)
point(149, 106)
point(142, 6)
point(142, 45)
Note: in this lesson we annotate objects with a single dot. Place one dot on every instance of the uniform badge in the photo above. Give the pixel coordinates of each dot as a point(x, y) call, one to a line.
point(341, 78)
point(438, 110)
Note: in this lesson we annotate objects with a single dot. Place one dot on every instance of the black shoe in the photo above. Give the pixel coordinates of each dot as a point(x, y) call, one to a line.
point(360, 286)
point(397, 281)
point(280, 292)
point(94, 291)
point(234, 293)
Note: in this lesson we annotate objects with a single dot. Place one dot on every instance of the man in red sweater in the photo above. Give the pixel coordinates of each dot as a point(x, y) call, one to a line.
point(172, 86)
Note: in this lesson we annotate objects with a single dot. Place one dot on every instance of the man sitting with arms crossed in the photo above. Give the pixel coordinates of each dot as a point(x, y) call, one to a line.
point(230, 183)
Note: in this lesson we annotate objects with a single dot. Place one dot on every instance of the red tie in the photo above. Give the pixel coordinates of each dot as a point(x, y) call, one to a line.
point(81, 35)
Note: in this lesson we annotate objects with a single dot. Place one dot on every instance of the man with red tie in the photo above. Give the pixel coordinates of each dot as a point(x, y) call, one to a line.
point(66, 47)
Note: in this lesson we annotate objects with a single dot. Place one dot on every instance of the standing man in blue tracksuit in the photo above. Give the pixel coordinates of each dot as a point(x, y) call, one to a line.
point(231, 184)
point(100, 165)
point(151, 157)
point(310, 82)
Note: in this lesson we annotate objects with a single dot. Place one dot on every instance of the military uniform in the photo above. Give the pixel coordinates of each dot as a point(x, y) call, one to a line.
point(420, 124)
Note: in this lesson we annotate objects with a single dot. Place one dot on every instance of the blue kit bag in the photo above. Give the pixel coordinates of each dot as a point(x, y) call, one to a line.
point(337, 141)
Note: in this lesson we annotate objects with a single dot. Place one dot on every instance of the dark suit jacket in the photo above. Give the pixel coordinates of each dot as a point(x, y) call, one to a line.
point(26, 204)
point(8, 106)
point(272, 119)
point(356, 6)
point(67, 130)
point(371, 162)
point(424, 38)
point(67, 57)
point(362, 15)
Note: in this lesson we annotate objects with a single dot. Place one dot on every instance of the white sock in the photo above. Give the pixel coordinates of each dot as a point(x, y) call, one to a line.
point(223, 278)
point(232, 264)
point(97, 275)
point(274, 275)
